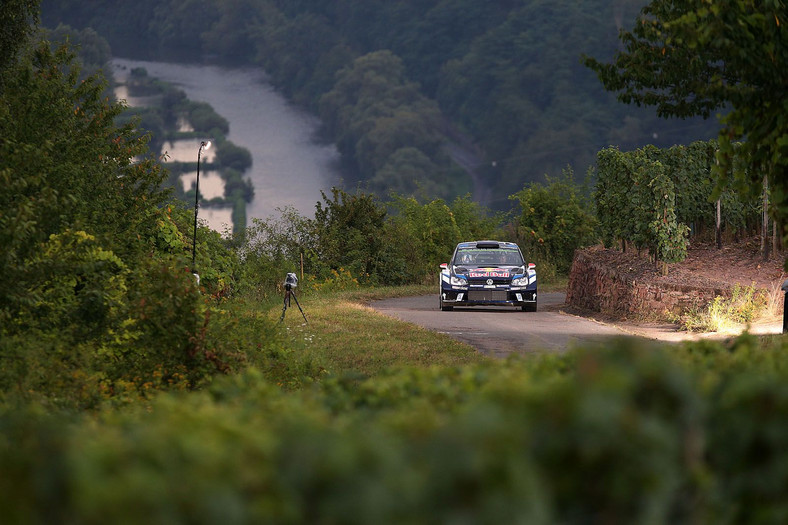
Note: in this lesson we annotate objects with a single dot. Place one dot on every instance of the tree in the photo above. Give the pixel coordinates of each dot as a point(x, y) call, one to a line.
point(94, 52)
point(404, 129)
point(373, 86)
point(231, 156)
point(66, 167)
point(348, 230)
point(178, 26)
point(431, 230)
point(229, 36)
point(693, 57)
point(375, 112)
point(406, 171)
point(555, 219)
point(204, 118)
point(17, 22)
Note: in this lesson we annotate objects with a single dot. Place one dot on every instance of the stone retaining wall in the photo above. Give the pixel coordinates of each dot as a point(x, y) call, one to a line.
point(600, 287)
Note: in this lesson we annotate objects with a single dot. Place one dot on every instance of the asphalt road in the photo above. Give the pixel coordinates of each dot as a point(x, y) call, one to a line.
point(500, 331)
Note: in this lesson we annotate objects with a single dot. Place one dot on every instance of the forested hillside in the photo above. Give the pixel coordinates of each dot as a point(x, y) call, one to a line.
point(408, 89)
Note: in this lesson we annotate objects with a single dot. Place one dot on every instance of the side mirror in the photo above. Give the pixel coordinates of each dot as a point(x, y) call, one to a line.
point(531, 266)
point(444, 266)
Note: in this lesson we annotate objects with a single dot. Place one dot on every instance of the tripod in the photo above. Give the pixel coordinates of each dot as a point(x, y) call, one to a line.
point(289, 292)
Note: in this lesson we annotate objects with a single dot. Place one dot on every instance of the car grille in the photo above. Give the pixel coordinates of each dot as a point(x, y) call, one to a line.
point(487, 295)
point(496, 281)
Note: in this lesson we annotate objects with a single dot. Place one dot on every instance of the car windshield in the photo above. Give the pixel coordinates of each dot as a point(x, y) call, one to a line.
point(488, 257)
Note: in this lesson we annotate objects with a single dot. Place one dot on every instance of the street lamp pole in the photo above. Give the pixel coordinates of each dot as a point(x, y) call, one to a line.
point(204, 145)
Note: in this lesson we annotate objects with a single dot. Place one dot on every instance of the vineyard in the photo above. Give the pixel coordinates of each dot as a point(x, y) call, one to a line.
point(655, 199)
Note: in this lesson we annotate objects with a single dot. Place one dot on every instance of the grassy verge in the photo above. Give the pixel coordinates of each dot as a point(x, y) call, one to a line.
point(343, 336)
point(727, 314)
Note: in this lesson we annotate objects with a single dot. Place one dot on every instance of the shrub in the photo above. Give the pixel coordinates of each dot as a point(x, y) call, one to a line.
point(273, 247)
point(598, 435)
point(554, 221)
point(348, 233)
point(723, 313)
point(228, 155)
point(203, 118)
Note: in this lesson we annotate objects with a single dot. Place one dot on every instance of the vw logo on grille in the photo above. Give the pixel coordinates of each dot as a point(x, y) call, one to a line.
point(489, 281)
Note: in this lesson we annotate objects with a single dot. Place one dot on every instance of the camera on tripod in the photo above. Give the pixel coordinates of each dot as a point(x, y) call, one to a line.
point(291, 281)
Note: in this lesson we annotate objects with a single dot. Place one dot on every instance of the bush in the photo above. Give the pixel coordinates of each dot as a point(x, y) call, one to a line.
point(273, 247)
point(354, 234)
point(623, 434)
point(428, 235)
point(228, 155)
point(82, 292)
point(554, 222)
point(499, 441)
point(722, 313)
point(348, 233)
point(203, 118)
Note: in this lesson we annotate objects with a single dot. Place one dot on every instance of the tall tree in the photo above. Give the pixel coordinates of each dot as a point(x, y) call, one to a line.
point(348, 231)
point(17, 21)
point(65, 166)
point(694, 57)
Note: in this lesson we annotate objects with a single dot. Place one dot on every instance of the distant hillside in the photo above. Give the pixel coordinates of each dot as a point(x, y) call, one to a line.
point(386, 76)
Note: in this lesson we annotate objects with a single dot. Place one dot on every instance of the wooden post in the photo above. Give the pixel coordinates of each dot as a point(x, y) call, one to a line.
point(765, 222)
point(718, 234)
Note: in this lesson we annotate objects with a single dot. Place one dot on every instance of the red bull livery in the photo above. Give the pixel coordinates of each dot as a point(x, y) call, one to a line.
point(488, 273)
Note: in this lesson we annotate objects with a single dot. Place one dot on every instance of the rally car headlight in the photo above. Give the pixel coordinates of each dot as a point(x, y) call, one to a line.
point(458, 281)
point(520, 281)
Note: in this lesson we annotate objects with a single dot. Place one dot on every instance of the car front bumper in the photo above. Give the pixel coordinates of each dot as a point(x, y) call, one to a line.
point(488, 297)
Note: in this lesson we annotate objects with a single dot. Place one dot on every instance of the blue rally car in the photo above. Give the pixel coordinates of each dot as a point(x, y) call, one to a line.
point(488, 273)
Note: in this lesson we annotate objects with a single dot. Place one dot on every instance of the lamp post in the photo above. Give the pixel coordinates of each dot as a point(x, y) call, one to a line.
point(204, 145)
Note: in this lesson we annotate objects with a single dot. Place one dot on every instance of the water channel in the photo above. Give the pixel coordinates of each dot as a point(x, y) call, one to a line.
point(289, 167)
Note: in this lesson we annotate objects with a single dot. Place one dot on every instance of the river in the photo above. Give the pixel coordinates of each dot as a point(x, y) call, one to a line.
point(289, 167)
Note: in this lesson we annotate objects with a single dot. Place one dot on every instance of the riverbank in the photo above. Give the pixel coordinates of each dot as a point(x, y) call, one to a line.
point(289, 166)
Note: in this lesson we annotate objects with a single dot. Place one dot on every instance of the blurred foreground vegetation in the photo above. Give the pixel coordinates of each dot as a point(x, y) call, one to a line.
point(628, 433)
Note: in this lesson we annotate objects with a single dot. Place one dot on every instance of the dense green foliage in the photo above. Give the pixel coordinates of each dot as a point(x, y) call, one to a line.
point(362, 240)
point(407, 87)
point(389, 128)
point(18, 19)
point(649, 198)
point(97, 301)
point(66, 167)
point(556, 219)
point(692, 57)
point(689, 434)
point(93, 51)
